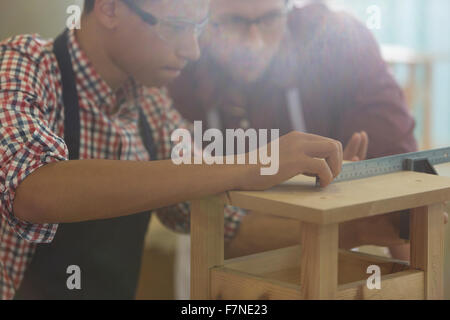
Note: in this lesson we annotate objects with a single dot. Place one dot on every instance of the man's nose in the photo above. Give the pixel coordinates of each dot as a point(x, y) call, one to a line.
point(255, 39)
point(189, 49)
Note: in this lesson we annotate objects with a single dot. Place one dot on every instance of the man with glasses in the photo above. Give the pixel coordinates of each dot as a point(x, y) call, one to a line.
point(266, 64)
point(79, 119)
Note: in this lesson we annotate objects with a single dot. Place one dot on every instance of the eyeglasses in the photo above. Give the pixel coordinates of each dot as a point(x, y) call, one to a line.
point(171, 30)
point(239, 26)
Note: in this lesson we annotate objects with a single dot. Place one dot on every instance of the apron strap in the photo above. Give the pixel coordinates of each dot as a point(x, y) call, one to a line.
point(147, 136)
point(70, 96)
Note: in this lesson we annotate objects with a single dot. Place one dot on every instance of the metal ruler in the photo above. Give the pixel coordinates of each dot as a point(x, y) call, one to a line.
point(391, 164)
point(422, 161)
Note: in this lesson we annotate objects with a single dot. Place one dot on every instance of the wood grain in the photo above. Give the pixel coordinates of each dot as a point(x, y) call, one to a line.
point(284, 265)
point(207, 243)
point(427, 247)
point(344, 201)
point(405, 285)
point(228, 284)
point(319, 261)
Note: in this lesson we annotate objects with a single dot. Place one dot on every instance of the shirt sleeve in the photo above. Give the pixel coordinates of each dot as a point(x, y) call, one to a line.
point(26, 141)
point(165, 119)
point(371, 99)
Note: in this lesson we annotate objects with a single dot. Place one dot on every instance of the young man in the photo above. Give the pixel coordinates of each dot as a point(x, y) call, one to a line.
point(309, 69)
point(78, 124)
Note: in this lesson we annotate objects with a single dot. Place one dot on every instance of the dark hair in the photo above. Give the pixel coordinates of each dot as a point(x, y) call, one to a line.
point(89, 5)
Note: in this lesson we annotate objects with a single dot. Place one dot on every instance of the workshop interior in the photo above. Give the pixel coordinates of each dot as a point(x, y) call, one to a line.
point(398, 70)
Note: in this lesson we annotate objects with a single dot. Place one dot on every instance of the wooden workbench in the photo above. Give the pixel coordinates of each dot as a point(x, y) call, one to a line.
point(318, 269)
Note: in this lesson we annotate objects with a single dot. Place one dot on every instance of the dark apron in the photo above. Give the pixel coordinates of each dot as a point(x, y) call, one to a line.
point(108, 252)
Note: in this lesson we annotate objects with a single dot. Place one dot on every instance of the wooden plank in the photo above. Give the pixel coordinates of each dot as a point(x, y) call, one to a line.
point(405, 285)
point(353, 266)
point(266, 262)
point(228, 284)
point(319, 261)
point(427, 247)
point(284, 265)
point(207, 246)
point(344, 201)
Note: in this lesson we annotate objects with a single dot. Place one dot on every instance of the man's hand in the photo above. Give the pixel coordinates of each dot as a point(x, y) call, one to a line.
point(356, 149)
point(380, 230)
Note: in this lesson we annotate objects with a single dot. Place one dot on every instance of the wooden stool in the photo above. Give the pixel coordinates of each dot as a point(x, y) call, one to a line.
point(319, 270)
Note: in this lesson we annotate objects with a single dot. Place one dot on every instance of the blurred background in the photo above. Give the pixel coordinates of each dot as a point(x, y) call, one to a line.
point(415, 41)
point(414, 35)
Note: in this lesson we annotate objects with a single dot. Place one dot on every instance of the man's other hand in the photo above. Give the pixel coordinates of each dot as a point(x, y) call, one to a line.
point(356, 149)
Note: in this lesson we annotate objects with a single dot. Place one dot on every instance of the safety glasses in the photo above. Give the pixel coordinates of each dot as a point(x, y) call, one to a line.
point(171, 30)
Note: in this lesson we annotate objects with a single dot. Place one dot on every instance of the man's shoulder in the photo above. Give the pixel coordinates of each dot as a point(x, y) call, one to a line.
point(319, 18)
point(32, 46)
point(333, 39)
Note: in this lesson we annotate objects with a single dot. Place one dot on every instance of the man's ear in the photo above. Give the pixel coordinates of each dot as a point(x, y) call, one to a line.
point(106, 12)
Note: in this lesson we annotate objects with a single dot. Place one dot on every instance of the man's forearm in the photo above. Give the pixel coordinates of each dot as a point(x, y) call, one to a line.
point(82, 190)
point(260, 232)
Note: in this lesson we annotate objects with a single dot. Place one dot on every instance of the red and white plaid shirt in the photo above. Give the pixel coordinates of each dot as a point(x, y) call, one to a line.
point(32, 131)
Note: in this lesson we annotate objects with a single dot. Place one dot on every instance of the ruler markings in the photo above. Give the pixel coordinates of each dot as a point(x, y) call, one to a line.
point(390, 164)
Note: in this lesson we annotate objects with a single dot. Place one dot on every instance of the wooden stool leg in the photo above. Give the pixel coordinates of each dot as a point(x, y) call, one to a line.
point(207, 247)
point(319, 261)
point(427, 247)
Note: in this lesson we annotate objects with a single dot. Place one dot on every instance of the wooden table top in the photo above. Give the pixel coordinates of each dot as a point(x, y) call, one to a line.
point(300, 199)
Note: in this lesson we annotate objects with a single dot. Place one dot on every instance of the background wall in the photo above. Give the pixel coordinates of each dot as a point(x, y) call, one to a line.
point(46, 17)
point(423, 25)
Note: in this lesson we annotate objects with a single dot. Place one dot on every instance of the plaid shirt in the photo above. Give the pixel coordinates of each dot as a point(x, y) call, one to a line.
point(32, 130)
